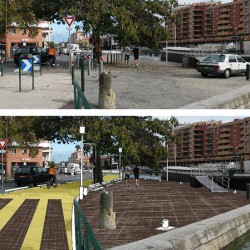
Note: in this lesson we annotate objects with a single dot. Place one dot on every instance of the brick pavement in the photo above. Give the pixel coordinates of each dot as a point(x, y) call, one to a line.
point(139, 211)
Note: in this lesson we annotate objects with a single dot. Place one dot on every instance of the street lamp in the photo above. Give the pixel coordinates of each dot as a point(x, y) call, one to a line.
point(120, 152)
point(167, 162)
point(82, 131)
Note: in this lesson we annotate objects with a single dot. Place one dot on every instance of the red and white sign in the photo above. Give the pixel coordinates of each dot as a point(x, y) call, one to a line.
point(3, 143)
point(69, 20)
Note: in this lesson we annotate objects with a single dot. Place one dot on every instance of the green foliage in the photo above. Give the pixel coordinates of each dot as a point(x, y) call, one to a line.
point(141, 138)
point(130, 21)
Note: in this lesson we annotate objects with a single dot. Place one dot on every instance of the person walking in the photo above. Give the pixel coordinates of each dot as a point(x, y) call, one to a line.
point(127, 170)
point(136, 55)
point(52, 55)
point(136, 171)
point(127, 52)
point(52, 173)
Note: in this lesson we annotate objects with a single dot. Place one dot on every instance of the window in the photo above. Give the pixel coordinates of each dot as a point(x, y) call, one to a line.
point(13, 151)
point(24, 151)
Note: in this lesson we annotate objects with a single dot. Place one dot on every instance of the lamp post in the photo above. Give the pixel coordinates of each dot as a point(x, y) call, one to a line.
point(167, 162)
point(120, 162)
point(82, 131)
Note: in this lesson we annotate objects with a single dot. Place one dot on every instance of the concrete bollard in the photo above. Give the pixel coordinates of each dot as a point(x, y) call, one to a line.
point(107, 216)
point(106, 94)
point(248, 191)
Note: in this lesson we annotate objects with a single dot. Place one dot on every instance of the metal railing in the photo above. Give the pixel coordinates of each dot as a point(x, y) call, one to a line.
point(80, 99)
point(222, 181)
point(85, 237)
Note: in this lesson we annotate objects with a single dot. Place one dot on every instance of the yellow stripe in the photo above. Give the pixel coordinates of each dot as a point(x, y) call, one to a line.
point(33, 237)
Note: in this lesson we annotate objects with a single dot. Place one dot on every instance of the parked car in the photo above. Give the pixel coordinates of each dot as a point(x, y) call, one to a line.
point(73, 168)
point(31, 175)
point(31, 50)
point(222, 64)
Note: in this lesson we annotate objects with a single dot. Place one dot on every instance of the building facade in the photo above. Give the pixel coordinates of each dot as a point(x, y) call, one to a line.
point(211, 22)
point(16, 37)
point(214, 142)
point(16, 156)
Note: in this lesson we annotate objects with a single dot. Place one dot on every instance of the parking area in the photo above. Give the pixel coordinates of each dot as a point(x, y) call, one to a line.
point(152, 85)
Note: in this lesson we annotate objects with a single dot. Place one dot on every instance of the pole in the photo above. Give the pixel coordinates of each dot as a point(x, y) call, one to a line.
point(82, 131)
point(2, 173)
point(69, 52)
point(167, 162)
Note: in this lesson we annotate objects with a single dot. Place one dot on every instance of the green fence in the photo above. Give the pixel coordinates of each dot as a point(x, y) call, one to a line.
point(80, 99)
point(84, 234)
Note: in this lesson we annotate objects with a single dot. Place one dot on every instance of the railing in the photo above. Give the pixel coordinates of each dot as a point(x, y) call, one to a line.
point(85, 237)
point(222, 181)
point(80, 99)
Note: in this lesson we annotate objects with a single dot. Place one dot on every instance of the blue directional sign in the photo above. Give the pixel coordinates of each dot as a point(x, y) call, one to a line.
point(26, 65)
point(36, 59)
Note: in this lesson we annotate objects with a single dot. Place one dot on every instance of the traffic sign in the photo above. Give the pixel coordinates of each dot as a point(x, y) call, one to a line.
point(26, 65)
point(3, 143)
point(36, 59)
point(69, 20)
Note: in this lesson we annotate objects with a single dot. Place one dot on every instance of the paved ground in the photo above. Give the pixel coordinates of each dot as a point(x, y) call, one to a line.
point(37, 216)
point(153, 85)
point(139, 211)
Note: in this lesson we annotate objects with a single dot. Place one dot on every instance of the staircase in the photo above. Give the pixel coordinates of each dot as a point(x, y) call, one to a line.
point(210, 184)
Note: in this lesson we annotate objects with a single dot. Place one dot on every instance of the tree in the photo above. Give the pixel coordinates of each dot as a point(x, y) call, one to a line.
point(20, 13)
point(130, 21)
point(141, 138)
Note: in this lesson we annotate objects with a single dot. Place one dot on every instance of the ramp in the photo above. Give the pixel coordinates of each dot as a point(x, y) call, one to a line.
point(210, 184)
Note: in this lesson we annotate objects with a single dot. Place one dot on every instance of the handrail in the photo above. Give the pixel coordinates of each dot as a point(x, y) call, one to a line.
point(80, 99)
point(86, 240)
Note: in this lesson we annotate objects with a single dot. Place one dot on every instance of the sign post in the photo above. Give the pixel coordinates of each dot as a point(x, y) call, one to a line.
point(3, 144)
point(69, 21)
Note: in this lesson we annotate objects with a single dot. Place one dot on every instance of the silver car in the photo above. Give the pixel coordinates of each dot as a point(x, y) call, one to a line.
point(222, 64)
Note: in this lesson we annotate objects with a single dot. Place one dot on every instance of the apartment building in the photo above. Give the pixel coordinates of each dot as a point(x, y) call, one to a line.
point(211, 142)
point(210, 22)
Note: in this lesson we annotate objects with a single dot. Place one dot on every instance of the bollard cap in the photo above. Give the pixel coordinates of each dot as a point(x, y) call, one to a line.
point(101, 58)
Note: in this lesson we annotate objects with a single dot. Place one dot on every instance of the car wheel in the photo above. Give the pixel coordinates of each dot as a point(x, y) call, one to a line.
point(226, 73)
point(204, 74)
point(19, 184)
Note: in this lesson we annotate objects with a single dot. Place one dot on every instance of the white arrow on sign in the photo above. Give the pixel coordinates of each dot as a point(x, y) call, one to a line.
point(26, 64)
point(36, 59)
point(3, 143)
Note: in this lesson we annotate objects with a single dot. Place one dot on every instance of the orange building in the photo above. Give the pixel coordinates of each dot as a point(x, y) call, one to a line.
point(16, 156)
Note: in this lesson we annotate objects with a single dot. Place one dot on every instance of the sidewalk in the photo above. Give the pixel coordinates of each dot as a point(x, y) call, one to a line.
point(52, 90)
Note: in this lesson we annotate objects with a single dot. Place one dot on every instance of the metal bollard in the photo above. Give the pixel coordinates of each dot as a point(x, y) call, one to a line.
point(248, 72)
point(1, 69)
point(82, 77)
point(101, 65)
point(248, 191)
point(72, 73)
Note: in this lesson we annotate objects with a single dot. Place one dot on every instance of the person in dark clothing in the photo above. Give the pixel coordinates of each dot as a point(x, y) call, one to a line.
point(136, 171)
point(136, 55)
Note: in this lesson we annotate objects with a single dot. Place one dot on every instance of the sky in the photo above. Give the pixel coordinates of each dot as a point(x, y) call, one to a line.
point(61, 152)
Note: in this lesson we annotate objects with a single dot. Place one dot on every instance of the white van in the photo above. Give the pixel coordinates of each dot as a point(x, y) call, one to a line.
point(73, 168)
point(75, 49)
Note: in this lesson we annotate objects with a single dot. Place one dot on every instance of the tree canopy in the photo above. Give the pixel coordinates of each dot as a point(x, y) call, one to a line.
point(130, 21)
point(141, 138)
point(19, 13)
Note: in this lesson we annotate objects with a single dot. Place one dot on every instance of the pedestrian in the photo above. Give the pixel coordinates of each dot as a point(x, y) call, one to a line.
point(136, 171)
point(52, 173)
point(127, 52)
point(52, 55)
point(136, 55)
point(127, 170)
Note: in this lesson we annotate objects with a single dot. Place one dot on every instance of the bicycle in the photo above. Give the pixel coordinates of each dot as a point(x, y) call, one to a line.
point(50, 183)
point(50, 63)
